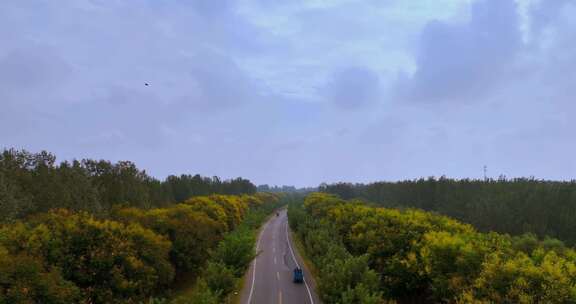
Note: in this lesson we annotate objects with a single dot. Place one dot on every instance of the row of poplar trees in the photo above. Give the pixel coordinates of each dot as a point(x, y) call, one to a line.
point(514, 206)
point(34, 182)
point(365, 254)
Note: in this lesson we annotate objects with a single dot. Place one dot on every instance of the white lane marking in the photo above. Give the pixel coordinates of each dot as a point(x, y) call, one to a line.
point(254, 266)
point(297, 265)
point(274, 260)
point(277, 275)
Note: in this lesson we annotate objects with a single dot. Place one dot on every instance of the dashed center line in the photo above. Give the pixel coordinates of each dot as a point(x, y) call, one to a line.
point(297, 265)
point(285, 249)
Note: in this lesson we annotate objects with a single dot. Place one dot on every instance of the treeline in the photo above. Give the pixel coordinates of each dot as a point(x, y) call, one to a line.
point(515, 206)
point(34, 182)
point(285, 189)
point(276, 189)
point(65, 256)
point(422, 257)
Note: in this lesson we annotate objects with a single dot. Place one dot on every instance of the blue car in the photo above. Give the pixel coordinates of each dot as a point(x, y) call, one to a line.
point(298, 275)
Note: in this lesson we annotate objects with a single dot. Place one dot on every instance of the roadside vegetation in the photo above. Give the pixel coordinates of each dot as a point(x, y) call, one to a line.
point(33, 183)
point(341, 277)
point(513, 206)
point(222, 276)
point(72, 257)
point(367, 254)
point(79, 234)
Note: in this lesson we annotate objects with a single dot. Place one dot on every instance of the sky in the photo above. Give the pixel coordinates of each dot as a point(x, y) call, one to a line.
point(295, 92)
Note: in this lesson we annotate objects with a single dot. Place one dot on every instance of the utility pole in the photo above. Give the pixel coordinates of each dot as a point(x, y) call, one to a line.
point(485, 176)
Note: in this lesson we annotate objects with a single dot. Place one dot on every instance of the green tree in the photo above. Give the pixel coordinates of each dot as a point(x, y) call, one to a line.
point(24, 279)
point(236, 250)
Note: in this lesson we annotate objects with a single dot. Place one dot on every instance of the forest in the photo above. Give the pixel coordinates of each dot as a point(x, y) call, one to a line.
point(368, 254)
point(97, 232)
point(34, 182)
point(65, 256)
point(93, 231)
point(514, 206)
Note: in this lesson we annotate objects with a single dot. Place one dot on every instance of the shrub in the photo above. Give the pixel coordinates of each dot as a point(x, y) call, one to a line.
point(236, 251)
point(109, 261)
point(202, 294)
point(425, 257)
point(219, 278)
point(24, 279)
point(191, 232)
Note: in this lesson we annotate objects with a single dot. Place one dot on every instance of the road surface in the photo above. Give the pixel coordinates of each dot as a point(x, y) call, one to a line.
point(269, 279)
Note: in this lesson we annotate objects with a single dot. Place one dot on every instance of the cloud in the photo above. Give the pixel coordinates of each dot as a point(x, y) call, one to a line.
point(212, 8)
point(459, 62)
point(220, 83)
point(353, 88)
point(544, 13)
point(86, 66)
point(31, 67)
point(293, 91)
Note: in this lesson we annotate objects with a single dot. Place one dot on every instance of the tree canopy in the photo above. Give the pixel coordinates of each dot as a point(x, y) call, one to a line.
point(425, 257)
point(515, 206)
point(67, 256)
point(34, 182)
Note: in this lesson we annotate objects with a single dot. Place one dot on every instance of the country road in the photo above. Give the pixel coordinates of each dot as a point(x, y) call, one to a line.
point(269, 279)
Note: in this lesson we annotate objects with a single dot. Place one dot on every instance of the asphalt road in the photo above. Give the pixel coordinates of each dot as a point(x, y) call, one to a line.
point(269, 279)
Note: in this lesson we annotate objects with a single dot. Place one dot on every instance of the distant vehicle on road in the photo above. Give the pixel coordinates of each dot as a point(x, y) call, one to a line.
point(298, 275)
point(277, 214)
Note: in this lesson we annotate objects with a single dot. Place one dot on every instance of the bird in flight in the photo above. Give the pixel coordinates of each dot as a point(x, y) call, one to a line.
point(146, 84)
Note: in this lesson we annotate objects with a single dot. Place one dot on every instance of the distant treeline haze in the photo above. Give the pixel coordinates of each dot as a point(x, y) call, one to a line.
point(515, 206)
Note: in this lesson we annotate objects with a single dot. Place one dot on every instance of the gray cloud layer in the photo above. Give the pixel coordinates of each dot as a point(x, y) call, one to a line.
point(462, 62)
point(294, 92)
